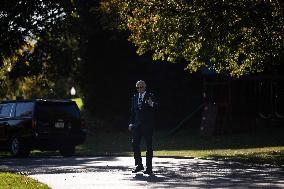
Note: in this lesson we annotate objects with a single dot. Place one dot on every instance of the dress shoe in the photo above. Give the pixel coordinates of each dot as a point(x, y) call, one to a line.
point(148, 171)
point(137, 169)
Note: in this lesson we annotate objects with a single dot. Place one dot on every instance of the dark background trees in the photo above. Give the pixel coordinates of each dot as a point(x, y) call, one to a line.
point(235, 38)
point(112, 67)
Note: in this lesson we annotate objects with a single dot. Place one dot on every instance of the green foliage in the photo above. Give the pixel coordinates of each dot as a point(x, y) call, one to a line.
point(232, 37)
point(26, 88)
point(20, 20)
point(39, 47)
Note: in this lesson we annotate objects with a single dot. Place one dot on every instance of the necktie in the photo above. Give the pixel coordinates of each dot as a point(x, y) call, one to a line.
point(140, 100)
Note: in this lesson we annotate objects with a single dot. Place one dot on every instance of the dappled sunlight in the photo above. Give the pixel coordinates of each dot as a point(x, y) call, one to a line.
point(210, 174)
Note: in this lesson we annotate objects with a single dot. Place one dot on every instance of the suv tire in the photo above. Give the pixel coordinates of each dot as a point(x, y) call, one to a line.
point(67, 151)
point(18, 148)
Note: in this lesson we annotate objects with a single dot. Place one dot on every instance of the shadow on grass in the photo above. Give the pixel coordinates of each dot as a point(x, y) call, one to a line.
point(263, 146)
point(190, 139)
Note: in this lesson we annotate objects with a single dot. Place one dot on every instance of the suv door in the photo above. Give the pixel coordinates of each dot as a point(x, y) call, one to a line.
point(21, 130)
point(7, 111)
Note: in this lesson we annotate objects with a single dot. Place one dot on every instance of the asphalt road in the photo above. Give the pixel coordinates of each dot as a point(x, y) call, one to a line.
point(115, 172)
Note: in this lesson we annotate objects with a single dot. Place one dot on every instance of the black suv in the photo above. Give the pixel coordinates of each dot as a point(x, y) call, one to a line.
point(26, 125)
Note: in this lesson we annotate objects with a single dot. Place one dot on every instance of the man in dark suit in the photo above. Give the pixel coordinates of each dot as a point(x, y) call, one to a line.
point(142, 125)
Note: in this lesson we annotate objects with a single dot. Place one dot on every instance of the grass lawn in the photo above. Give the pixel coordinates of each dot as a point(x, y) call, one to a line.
point(263, 146)
point(266, 146)
point(11, 180)
point(79, 102)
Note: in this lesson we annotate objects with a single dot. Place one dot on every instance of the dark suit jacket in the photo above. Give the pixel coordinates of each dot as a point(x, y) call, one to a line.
point(143, 117)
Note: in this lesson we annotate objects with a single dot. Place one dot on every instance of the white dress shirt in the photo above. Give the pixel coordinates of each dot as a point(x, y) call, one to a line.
point(141, 96)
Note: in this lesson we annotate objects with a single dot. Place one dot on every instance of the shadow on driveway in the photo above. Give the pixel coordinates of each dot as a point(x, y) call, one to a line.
point(168, 172)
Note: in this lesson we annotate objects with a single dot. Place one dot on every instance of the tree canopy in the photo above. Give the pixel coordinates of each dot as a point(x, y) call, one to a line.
point(38, 45)
point(28, 19)
point(233, 37)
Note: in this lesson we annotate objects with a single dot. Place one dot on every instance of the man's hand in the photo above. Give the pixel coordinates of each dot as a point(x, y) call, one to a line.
point(150, 102)
point(130, 126)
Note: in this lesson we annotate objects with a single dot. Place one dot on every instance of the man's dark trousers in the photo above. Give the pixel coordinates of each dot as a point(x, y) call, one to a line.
point(137, 134)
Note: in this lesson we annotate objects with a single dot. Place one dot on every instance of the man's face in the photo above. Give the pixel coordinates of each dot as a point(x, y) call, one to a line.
point(140, 88)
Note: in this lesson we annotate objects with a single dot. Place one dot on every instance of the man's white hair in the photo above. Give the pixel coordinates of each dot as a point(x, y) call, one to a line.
point(141, 82)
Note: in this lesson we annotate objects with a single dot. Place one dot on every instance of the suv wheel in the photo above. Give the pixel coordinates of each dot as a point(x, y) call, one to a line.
point(18, 148)
point(67, 151)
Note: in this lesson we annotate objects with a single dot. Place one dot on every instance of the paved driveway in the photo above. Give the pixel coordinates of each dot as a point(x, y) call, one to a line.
point(115, 172)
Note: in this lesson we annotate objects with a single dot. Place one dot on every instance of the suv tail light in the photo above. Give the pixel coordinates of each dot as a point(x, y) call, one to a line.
point(34, 124)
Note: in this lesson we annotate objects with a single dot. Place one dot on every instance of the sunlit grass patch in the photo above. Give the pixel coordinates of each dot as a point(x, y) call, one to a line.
point(79, 103)
point(11, 180)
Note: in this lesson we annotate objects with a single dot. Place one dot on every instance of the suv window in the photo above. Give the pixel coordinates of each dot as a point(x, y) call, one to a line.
point(7, 110)
point(56, 110)
point(24, 109)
